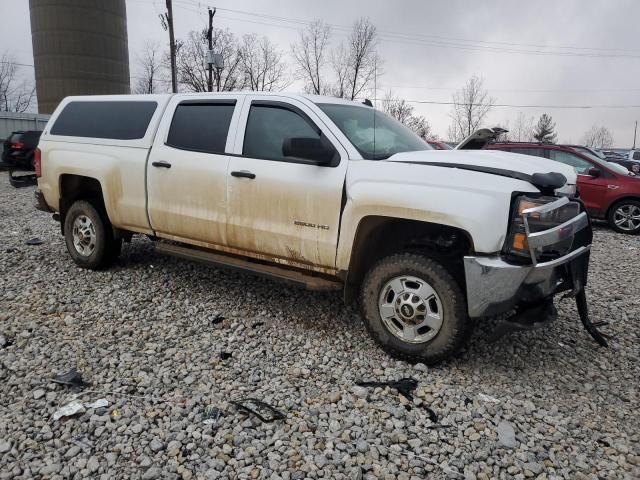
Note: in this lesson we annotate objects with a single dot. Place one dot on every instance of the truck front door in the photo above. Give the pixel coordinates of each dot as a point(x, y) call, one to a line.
point(187, 169)
point(283, 208)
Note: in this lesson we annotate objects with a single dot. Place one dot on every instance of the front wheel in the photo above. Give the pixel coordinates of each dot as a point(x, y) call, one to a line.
point(414, 309)
point(624, 217)
point(89, 238)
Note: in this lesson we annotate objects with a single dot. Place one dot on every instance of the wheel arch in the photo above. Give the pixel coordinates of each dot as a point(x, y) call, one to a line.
point(379, 236)
point(73, 187)
point(618, 201)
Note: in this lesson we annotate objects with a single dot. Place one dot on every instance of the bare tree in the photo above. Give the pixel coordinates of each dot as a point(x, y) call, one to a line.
point(471, 104)
point(421, 127)
point(15, 95)
point(310, 53)
point(523, 128)
point(402, 111)
point(598, 137)
point(190, 61)
point(262, 64)
point(397, 108)
point(150, 70)
point(356, 64)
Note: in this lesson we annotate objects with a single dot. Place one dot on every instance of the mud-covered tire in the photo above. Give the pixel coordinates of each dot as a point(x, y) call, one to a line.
point(102, 249)
point(455, 322)
point(616, 213)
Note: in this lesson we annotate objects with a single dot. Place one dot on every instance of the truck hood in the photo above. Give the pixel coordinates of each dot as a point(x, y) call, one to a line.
point(491, 159)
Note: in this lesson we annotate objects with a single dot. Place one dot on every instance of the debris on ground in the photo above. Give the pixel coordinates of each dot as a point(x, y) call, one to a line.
point(212, 415)
point(115, 414)
point(487, 398)
point(72, 378)
point(263, 411)
point(100, 403)
point(225, 355)
point(69, 410)
point(217, 319)
point(404, 386)
point(34, 241)
point(257, 324)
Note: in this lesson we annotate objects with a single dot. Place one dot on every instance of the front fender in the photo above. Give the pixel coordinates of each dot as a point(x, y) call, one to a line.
point(474, 202)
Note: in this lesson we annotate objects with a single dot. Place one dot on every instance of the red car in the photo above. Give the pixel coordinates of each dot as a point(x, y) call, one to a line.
point(609, 191)
point(438, 145)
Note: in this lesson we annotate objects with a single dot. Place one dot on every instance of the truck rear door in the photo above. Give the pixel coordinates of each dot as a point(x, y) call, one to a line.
point(284, 209)
point(187, 168)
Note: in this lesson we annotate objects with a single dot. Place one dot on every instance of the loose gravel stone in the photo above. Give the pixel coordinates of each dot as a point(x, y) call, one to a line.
point(506, 434)
point(148, 332)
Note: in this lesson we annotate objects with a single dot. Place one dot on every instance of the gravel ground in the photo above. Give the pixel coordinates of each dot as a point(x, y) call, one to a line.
point(148, 334)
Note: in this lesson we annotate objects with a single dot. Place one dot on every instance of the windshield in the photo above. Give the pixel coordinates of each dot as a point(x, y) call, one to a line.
point(587, 152)
point(376, 135)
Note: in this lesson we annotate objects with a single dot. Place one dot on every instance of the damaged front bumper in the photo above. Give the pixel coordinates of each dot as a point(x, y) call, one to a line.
point(496, 286)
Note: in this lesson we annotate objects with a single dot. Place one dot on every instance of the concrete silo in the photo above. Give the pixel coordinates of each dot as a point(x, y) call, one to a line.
point(79, 48)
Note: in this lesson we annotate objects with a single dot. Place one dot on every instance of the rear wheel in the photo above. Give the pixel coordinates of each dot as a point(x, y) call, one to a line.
point(89, 236)
point(624, 217)
point(414, 309)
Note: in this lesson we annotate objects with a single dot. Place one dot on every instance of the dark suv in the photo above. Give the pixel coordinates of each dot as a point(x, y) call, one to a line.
point(19, 148)
point(609, 191)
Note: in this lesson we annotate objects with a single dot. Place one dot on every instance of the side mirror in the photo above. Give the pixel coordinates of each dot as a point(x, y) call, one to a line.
point(594, 172)
point(308, 148)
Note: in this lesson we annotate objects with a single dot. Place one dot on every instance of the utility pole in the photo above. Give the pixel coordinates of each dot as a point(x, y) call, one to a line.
point(635, 131)
point(167, 24)
point(210, 38)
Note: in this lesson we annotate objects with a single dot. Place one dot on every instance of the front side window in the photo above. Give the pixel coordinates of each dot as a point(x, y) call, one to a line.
point(268, 126)
point(636, 155)
point(201, 127)
point(580, 164)
point(375, 135)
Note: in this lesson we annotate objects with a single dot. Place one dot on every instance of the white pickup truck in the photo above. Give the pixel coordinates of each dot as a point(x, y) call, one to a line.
point(326, 193)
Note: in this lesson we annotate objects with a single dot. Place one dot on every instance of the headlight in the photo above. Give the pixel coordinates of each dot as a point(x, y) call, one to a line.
point(538, 221)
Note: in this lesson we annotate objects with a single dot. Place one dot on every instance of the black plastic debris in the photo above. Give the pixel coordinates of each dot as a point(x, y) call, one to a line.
point(257, 324)
point(432, 415)
point(263, 411)
point(404, 386)
point(72, 378)
point(34, 241)
point(217, 319)
point(225, 355)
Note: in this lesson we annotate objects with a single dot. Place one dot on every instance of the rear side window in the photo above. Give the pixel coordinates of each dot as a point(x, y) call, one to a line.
point(201, 127)
point(113, 120)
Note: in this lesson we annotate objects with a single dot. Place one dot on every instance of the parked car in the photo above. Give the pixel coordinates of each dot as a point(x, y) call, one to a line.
point(631, 165)
point(19, 147)
point(322, 192)
point(609, 191)
point(438, 145)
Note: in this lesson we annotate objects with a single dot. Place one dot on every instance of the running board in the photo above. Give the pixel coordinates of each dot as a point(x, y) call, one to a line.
point(307, 280)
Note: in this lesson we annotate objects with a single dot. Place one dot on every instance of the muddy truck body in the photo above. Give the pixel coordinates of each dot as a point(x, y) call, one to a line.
point(325, 193)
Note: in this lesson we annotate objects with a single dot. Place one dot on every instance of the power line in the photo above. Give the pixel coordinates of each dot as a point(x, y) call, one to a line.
point(510, 105)
point(444, 42)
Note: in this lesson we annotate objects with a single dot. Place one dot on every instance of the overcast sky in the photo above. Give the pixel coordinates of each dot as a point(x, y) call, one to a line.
point(586, 52)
